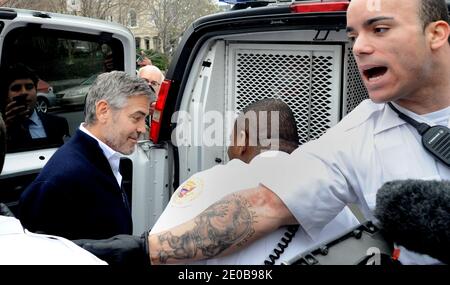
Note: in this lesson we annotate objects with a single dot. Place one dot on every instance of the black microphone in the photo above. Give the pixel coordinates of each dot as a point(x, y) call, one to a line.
point(416, 215)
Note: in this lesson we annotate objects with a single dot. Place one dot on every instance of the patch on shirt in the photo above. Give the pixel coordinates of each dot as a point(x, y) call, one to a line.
point(188, 192)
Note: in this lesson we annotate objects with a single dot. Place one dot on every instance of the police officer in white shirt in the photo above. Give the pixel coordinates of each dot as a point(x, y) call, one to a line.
point(207, 187)
point(402, 51)
point(19, 246)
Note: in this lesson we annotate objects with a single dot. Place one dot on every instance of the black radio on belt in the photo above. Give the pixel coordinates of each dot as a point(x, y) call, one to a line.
point(435, 139)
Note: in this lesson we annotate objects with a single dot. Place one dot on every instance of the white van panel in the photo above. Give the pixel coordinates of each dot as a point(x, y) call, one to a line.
point(152, 167)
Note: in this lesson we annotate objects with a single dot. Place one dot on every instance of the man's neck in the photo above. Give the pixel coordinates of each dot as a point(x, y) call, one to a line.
point(427, 102)
point(94, 130)
point(434, 91)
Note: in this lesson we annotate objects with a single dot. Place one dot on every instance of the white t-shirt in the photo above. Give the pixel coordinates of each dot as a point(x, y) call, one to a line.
point(348, 164)
point(206, 187)
point(21, 247)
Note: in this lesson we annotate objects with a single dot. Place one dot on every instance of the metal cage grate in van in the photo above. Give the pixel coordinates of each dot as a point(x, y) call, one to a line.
point(308, 80)
point(354, 90)
point(304, 79)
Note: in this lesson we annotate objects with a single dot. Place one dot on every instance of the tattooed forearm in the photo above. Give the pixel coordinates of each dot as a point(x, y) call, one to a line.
point(224, 224)
point(181, 247)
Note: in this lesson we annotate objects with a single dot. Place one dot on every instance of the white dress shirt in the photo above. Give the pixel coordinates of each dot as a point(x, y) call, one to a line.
point(348, 164)
point(207, 187)
point(111, 155)
point(21, 247)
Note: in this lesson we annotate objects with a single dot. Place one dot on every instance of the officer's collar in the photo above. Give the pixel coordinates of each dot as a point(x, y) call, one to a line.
point(389, 119)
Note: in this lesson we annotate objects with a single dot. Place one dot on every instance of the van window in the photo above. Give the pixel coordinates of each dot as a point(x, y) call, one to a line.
point(66, 65)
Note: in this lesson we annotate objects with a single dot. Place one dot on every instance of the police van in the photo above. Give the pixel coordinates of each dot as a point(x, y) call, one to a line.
point(296, 51)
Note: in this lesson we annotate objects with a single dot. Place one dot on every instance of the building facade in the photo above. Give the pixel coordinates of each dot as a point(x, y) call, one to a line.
point(139, 22)
point(143, 29)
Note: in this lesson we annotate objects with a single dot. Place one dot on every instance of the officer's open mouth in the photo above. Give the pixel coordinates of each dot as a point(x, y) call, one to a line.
point(374, 73)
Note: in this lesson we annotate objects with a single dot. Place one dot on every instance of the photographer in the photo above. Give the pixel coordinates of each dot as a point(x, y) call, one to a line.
point(27, 127)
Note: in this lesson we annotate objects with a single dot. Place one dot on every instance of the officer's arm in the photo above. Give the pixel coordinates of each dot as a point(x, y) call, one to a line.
point(226, 226)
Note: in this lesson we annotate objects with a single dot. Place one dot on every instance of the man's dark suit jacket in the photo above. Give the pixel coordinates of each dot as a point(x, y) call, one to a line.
point(76, 195)
point(55, 127)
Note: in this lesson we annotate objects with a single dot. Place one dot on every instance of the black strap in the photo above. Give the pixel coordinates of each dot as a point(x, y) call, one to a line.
point(435, 140)
point(282, 245)
point(420, 127)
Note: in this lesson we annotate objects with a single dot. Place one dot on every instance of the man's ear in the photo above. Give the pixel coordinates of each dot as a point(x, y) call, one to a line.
point(242, 142)
point(102, 111)
point(438, 33)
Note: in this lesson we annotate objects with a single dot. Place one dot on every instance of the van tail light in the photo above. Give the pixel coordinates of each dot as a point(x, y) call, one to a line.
point(155, 126)
point(317, 7)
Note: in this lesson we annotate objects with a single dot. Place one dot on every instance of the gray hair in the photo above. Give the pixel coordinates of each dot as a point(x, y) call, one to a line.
point(114, 87)
point(152, 68)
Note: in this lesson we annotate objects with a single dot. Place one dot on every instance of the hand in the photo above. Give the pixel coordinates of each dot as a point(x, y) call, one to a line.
point(119, 250)
point(15, 114)
point(5, 211)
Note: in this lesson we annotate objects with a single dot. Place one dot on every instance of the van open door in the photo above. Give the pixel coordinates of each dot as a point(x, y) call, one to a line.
point(68, 53)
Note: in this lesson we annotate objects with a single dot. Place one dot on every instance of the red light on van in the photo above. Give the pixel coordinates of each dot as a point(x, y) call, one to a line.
point(319, 7)
point(155, 126)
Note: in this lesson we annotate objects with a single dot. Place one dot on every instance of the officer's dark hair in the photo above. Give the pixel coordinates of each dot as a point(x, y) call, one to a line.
point(288, 135)
point(432, 11)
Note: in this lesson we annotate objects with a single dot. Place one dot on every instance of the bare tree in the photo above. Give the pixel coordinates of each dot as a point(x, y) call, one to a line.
point(58, 6)
point(96, 9)
point(24, 4)
point(121, 11)
point(172, 17)
point(99, 9)
point(108, 9)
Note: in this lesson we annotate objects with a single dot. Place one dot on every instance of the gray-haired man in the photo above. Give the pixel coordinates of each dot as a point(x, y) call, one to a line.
point(78, 193)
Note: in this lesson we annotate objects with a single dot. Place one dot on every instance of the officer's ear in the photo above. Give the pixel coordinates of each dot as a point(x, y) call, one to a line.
point(237, 146)
point(437, 34)
point(242, 142)
point(243, 146)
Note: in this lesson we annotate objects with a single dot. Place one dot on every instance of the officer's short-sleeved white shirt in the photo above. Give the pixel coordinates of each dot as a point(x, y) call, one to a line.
point(207, 187)
point(348, 164)
point(21, 247)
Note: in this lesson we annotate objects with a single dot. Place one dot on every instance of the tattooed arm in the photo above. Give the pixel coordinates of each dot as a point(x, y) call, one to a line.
point(226, 226)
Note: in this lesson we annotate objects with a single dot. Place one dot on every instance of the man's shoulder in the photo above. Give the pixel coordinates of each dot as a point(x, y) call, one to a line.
point(81, 141)
point(352, 131)
point(360, 117)
point(69, 163)
point(234, 165)
point(73, 153)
